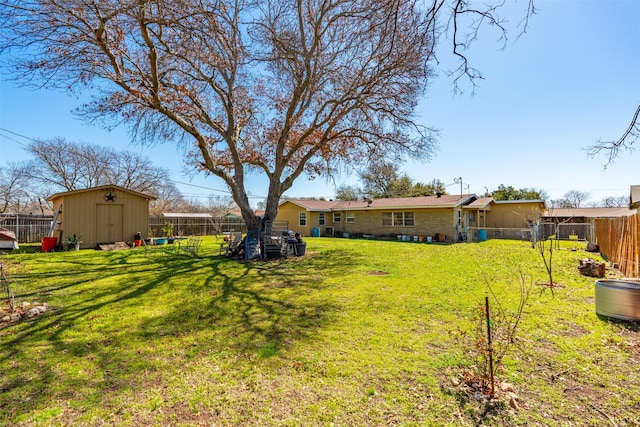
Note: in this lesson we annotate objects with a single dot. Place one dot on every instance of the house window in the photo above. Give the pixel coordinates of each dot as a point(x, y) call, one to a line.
point(350, 217)
point(336, 217)
point(408, 219)
point(398, 219)
point(302, 219)
point(321, 218)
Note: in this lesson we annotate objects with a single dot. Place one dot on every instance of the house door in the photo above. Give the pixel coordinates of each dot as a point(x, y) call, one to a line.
point(109, 223)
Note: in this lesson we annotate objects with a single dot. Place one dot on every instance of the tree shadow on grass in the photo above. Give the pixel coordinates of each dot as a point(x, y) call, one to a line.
point(258, 305)
point(113, 313)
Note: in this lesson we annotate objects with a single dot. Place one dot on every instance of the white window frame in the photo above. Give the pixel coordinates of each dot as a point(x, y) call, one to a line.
point(321, 218)
point(337, 217)
point(350, 217)
point(302, 219)
point(398, 219)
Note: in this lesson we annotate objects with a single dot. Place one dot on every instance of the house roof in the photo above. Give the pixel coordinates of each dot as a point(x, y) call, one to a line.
point(588, 212)
point(99, 188)
point(312, 205)
point(519, 202)
point(444, 201)
point(238, 213)
point(481, 203)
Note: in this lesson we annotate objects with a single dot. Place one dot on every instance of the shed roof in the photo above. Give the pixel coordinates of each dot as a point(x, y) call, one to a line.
point(100, 188)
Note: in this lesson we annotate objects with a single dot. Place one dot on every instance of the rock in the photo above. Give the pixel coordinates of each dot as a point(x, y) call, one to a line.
point(479, 396)
point(455, 381)
point(592, 268)
point(506, 387)
point(513, 404)
point(592, 247)
point(5, 319)
point(32, 312)
point(41, 309)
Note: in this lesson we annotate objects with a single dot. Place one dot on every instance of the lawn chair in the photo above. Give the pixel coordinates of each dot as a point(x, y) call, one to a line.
point(228, 248)
point(171, 248)
point(223, 240)
point(191, 246)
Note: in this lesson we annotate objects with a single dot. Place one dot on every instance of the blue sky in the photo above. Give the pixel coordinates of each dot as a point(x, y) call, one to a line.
point(573, 78)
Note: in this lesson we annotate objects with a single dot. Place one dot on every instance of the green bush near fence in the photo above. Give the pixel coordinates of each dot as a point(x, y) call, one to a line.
point(355, 333)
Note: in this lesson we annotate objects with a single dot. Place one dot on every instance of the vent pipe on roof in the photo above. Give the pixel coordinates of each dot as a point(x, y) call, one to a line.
point(438, 194)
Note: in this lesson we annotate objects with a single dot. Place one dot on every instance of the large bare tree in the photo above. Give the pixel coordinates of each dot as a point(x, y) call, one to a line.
point(278, 86)
point(64, 165)
point(14, 192)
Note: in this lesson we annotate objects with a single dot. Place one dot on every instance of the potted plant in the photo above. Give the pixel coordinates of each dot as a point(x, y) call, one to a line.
point(73, 242)
point(167, 231)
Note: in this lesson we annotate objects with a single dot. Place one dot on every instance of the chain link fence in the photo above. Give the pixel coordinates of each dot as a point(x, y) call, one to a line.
point(32, 228)
point(544, 231)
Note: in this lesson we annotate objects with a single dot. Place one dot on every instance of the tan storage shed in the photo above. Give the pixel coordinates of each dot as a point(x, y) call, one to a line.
point(98, 215)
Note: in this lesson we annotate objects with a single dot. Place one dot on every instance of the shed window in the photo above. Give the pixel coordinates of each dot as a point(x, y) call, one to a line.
point(302, 219)
point(336, 217)
point(350, 217)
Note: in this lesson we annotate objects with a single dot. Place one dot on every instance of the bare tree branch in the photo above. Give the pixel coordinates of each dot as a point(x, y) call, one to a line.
point(625, 142)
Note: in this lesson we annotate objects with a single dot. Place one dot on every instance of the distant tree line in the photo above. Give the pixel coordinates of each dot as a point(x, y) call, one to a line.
point(384, 180)
point(58, 165)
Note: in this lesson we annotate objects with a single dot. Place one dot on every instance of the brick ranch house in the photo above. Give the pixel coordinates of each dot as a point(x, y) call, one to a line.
point(448, 217)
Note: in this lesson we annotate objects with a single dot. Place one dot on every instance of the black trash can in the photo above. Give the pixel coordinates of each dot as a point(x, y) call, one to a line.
point(301, 248)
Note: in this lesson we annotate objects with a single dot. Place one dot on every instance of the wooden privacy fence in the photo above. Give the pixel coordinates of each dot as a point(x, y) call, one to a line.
point(619, 242)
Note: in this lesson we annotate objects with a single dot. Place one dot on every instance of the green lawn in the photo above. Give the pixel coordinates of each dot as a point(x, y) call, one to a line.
point(355, 333)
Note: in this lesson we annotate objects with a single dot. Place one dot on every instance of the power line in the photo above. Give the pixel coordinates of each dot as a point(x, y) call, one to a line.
point(200, 186)
point(249, 195)
point(16, 134)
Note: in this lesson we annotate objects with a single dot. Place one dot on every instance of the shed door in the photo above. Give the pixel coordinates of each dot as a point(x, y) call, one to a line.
point(109, 223)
